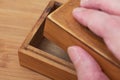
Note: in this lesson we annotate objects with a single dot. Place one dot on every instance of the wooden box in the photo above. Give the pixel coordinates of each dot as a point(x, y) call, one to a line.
point(40, 51)
point(43, 56)
point(65, 31)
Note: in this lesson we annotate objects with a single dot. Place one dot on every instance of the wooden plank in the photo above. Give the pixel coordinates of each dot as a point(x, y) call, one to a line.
point(45, 66)
point(65, 31)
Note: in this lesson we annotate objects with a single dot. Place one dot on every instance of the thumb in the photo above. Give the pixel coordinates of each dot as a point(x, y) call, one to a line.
point(86, 66)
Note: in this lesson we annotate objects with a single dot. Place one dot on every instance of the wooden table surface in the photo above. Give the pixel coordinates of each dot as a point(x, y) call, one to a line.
point(17, 17)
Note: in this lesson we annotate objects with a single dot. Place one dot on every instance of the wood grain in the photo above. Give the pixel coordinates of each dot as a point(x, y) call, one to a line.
point(17, 17)
point(45, 58)
point(65, 31)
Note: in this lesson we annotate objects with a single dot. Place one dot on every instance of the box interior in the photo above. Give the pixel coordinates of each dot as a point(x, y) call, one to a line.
point(40, 42)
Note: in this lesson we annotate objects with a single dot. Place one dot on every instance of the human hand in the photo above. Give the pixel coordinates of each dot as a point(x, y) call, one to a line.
point(103, 18)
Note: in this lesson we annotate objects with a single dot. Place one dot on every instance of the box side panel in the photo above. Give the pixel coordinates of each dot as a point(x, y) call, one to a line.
point(44, 66)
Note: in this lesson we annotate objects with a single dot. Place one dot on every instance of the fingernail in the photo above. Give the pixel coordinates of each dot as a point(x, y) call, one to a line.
point(78, 10)
point(73, 53)
point(72, 49)
point(83, 2)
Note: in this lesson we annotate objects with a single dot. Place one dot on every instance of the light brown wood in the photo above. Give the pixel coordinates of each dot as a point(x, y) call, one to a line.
point(17, 18)
point(61, 1)
point(65, 31)
point(43, 56)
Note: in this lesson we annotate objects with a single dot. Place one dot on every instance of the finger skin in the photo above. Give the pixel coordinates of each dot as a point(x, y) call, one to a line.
point(92, 19)
point(110, 6)
point(104, 25)
point(87, 68)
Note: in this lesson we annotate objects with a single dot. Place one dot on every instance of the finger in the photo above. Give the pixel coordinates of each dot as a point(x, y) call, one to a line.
point(110, 6)
point(86, 66)
point(93, 19)
point(102, 24)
